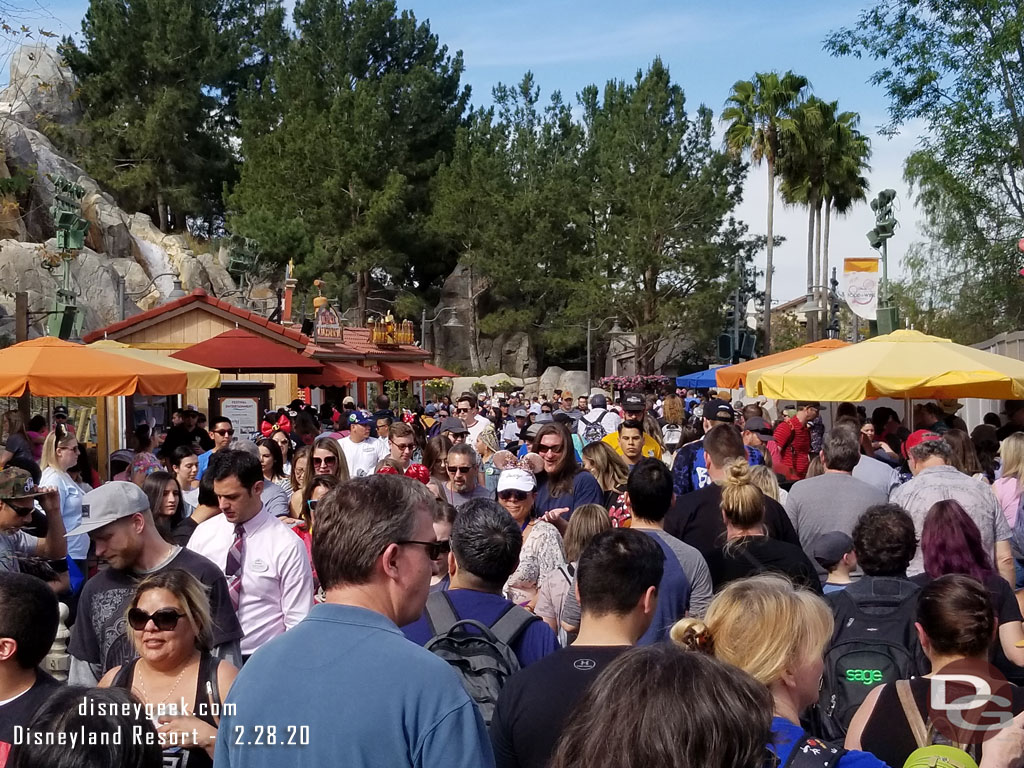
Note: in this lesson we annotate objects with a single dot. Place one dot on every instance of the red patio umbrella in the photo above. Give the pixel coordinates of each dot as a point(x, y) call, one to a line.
point(239, 351)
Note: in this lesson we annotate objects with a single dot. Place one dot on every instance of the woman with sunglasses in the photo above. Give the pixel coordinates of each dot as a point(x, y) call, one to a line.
point(319, 487)
point(60, 454)
point(542, 552)
point(172, 632)
point(564, 484)
point(325, 458)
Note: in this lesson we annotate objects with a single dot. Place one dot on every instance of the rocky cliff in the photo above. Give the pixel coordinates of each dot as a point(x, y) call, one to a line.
point(119, 244)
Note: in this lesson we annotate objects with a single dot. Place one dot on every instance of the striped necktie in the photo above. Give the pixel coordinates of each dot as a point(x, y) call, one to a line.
point(233, 568)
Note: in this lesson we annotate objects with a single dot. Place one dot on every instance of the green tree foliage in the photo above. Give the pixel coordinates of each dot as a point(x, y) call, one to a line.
point(958, 66)
point(156, 83)
point(625, 212)
point(758, 111)
point(341, 142)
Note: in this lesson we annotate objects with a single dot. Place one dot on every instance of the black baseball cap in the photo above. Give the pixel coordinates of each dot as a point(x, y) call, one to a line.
point(719, 410)
point(829, 548)
point(759, 427)
point(633, 401)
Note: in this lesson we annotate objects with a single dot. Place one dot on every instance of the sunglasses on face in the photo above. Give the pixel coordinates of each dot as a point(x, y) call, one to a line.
point(435, 549)
point(224, 432)
point(462, 410)
point(509, 495)
point(403, 446)
point(165, 619)
point(459, 470)
point(311, 504)
point(18, 510)
point(321, 460)
point(542, 449)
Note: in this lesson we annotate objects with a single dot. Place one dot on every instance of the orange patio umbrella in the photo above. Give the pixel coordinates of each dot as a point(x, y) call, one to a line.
point(735, 376)
point(50, 367)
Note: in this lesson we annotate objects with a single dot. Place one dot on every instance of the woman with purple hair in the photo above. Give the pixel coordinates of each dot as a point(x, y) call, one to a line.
point(951, 543)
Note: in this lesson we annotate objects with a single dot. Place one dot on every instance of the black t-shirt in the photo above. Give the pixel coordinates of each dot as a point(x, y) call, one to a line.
point(177, 436)
point(535, 702)
point(20, 711)
point(752, 555)
point(101, 634)
point(696, 518)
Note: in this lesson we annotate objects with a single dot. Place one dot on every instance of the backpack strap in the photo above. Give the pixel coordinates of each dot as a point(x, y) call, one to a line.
point(440, 613)
point(512, 624)
point(912, 713)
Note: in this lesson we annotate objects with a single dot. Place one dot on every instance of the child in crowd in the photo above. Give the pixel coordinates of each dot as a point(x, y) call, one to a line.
point(834, 552)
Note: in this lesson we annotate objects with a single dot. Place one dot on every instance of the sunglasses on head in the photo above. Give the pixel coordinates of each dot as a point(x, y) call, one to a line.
point(460, 470)
point(318, 460)
point(509, 495)
point(165, 619)
point(435, 549)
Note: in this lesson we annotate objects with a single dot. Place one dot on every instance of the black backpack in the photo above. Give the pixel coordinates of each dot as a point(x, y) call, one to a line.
point(482, 656)
point(810, 752)
point(874, 642)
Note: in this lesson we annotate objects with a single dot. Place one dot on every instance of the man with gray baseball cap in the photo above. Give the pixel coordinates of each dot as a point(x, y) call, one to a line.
point(598, 422)
point(510, 433)
point(18, 494)
point(119, 521)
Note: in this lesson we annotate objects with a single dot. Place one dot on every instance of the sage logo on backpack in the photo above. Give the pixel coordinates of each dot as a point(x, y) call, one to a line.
point(970, 701)
point(869, 677)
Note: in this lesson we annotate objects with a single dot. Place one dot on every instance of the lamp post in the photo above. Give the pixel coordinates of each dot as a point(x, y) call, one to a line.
point(813, 306)
point(878, 238)
point(453, 322)
point(177, 291)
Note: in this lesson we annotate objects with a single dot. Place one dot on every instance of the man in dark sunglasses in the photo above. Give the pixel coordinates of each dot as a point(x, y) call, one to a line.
point(464, 477)
point(18, 493)
point(221, 434)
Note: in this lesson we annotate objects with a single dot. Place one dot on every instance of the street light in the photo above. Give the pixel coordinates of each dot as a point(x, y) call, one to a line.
point(452, 322)
point(813, 305)
point(177, 292)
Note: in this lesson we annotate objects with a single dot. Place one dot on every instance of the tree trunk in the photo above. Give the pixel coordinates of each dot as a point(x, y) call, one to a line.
point(474, 328)
point(809, 316)
point(825, 273)
point(161, 212)
point(362, 294)
point(646, 352)
point(769, 267)
point(819, 274)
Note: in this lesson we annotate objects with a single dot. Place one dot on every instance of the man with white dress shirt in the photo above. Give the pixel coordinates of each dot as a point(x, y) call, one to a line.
point(268, 571)
point(362, 452)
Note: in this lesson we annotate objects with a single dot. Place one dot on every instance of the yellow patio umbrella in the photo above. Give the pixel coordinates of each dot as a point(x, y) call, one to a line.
point(735, 376)
point(199, 376)
point(902, 364)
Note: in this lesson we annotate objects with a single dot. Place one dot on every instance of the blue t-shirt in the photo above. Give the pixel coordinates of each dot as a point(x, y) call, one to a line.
point(828, 587)
point(536, 641)
point(690, 470)
point(785, 735)
point(673, 595)
point(345, 687)
point(202, 463)
point(585, 490)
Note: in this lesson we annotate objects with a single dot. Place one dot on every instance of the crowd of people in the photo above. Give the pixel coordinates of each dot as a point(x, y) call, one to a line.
point(662, 580)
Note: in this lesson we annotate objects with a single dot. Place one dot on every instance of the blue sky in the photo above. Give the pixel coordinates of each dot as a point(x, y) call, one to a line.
point(707, 45)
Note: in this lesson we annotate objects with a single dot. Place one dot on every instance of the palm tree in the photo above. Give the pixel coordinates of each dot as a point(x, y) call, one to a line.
point(823, 158)
point(758, 111)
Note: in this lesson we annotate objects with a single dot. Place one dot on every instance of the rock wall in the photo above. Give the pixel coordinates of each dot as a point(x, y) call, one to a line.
point(118, 242)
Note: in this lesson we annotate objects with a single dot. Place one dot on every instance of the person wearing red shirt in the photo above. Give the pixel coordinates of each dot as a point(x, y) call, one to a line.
point(793, 439)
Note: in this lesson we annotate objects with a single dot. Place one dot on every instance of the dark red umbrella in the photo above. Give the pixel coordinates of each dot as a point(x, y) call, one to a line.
point(239, 351)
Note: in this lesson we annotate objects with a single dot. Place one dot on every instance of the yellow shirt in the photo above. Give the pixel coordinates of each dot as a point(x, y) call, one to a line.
point(651, 448)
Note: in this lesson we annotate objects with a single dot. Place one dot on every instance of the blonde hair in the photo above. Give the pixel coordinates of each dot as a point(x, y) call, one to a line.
point(742, 501)
point(1011, 450)
point(195, 603)
point(765, 479)
point(586, 522)
point(48, 460)
point(763, 625)
point(610, 470)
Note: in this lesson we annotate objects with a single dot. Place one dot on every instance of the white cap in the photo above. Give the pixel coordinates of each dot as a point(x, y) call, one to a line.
point(516, 480)
point(110, 502)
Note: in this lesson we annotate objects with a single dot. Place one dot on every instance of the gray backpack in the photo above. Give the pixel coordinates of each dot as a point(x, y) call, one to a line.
point(481, 656)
